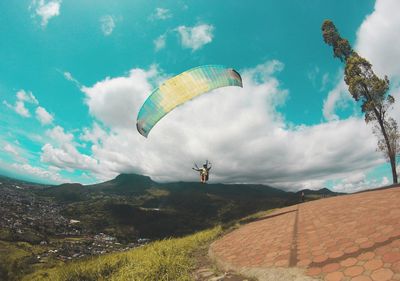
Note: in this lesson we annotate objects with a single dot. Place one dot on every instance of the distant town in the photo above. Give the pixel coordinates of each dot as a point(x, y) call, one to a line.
point(26, 217)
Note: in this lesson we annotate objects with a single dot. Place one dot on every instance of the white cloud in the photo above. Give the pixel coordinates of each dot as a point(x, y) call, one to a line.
point(190, 37)
point(26, 97)
point(107, 24)
point(43, 116)
point(45, 9)
point(161, 14)
point(61, 152)
point(310, 184)
point(42, 173)
point(239, 130)
point(338, 98)
point(195, 37)
point(22, 98)
point(21, 109)
point(67, 156)
point(69, 77)
point(377, 38)
point(159, 43)
point(14, 149)
point(378, 42)
point(58, 135)
point(385, 181)
point(358, 182)
point(313, 74)
point(54, 169)
point(324, 81)
point(355, 178)
point(11, 149)
point(8, 105)
point(318, 79)
point(114, 101)
point(94, 134)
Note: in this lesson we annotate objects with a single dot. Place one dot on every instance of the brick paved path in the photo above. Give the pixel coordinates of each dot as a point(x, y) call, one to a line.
point(353, 237)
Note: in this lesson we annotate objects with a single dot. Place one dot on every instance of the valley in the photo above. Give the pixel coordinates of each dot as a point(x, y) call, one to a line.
point(43, 226)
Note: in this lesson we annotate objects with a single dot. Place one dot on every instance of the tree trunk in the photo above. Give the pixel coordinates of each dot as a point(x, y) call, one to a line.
point(393, 164)
point(391, 154)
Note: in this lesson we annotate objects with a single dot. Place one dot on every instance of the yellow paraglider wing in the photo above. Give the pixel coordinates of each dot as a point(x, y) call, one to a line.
point(182, 88)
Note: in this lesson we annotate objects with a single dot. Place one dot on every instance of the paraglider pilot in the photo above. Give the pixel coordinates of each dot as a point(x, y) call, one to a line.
point(204, 171)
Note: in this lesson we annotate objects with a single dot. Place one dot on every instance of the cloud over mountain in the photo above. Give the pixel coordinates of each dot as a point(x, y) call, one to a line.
point(240, 130)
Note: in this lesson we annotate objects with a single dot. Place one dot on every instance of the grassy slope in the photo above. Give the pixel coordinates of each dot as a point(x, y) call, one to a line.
point(16, 259)
point(168, 259)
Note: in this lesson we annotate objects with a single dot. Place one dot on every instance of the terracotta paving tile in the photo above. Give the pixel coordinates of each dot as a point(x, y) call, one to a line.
point(314, 271)
point(304, 263)
point(387, 229)
point(369, 231)
point(282, 257)
point(382, 250)
point(304, 257)
point(374, 235)
point(343, 240)
point(330, 248)
point(391, 257)
point(354, 271)
point(361, 240)
point(335, 239)
point(361, 278)
point(318, 253)
point(346, 245)
point(319, 259)
point(267, 264)
point(351, 250)
point(331, 267)
point(284, 252)
point(348, 262)
point(367, 244)
point(396, 267)
point(331, 244)
point(381, 238)
point(366, 256)
point(336, 254)
point(382, 274)
point(280, 263)
point(271, 254)
point(334, 276)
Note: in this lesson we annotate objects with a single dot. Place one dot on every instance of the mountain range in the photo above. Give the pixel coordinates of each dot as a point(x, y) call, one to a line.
point(132, 205)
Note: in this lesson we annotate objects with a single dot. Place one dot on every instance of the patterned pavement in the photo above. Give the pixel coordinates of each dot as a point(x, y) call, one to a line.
point(354, 237)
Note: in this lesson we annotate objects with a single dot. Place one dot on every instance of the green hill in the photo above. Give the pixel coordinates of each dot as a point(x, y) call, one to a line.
point(132, 206)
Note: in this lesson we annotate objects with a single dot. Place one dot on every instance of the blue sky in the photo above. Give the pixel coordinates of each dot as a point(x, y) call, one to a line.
point(74, 73)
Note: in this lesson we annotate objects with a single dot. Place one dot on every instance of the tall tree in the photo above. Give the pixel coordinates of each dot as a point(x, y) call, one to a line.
point(370, 91)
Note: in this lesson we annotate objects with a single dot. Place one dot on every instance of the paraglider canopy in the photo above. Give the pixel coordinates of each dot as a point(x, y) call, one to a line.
point(182, 88)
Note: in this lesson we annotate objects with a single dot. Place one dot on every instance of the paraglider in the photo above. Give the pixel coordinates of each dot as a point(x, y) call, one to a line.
point(204, 171)
point(182, 88)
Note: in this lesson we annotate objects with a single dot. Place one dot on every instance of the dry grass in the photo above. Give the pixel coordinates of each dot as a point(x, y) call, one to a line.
point(165, 260)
